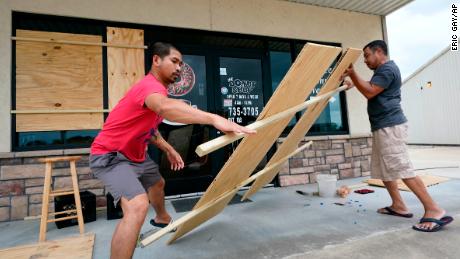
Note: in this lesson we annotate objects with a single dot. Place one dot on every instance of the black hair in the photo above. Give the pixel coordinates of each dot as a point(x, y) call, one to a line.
point(162, 49)
point(377, 44)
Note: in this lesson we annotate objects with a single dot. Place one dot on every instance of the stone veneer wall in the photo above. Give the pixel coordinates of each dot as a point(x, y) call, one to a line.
point(343, 155)
point(22, 176)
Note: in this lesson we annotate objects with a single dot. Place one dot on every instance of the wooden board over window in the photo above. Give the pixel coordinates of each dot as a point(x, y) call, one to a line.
point(125, 65)
point(58, 77)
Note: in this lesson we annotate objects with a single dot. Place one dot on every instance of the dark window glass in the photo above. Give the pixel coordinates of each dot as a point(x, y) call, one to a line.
point(55, 139)
point(80, 137)
point(39, 139)
point(241, 89)
point(332, 119)
point(280, 62)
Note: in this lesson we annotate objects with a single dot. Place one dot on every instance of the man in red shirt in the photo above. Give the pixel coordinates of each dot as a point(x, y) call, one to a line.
point(118, 154)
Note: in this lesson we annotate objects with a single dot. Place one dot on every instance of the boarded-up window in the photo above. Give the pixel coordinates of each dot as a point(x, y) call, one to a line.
point(56, 77)
point(125, 65)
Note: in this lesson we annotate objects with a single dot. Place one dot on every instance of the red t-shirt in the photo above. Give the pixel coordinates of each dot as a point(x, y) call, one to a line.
point(130, 124)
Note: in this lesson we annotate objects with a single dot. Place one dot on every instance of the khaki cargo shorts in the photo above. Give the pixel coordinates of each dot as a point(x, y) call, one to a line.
point(390, 158)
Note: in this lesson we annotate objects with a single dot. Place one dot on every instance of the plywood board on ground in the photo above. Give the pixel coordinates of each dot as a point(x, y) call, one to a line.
point(125, 66)
point(428, 180)
point(75, 247)
point(54, 76)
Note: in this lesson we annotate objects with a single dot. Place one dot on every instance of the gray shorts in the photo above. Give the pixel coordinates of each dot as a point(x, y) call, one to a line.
point(122, 177)
point(390, 157)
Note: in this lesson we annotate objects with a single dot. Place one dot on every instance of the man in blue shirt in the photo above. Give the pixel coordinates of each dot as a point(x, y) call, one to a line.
point(390, 159)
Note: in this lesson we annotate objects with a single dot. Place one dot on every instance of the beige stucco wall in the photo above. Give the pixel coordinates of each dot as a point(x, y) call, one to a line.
point(261, 17)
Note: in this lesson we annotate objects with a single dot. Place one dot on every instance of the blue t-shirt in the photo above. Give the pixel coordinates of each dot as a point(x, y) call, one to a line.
point(384, 109)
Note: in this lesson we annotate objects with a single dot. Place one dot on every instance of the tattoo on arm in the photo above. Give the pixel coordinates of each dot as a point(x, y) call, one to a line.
point(156, 135)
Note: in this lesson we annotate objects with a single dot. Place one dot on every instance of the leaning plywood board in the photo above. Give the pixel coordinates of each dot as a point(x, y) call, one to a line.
point(75, 247)
point(299, 81)
point(125, 66)
point(428, 180)
point(306, 121)
point(57, 77)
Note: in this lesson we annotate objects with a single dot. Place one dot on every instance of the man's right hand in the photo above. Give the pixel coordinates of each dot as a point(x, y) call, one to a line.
point(227, 126)
point(349, 71)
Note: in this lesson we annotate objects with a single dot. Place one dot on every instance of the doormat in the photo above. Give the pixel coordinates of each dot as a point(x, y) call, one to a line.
point(428, 180)
point(75, 247)
point(184, 205)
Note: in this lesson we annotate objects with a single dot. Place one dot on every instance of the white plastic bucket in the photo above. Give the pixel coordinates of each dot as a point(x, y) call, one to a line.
point(327, 185)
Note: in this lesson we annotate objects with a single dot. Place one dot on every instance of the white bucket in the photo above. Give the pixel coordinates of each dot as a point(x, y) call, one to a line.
point(327, 185)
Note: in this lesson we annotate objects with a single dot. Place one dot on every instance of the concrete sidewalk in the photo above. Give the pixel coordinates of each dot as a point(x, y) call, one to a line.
point(280, 223)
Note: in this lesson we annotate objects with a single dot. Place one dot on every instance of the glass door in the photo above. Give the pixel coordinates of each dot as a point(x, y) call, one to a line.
point(240, 92)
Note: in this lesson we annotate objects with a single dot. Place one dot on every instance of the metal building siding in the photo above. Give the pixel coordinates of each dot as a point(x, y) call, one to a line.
point(434, 113)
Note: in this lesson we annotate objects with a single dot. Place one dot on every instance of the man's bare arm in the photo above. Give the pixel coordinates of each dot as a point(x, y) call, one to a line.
point(365, 87)
point(160, 142)
point(178, 111)
point(174, 158)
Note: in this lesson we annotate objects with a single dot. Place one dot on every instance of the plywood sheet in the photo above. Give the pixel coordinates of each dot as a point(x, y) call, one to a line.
point(306, 121)
point(299, 81)
point(428, 180)
point(53, 76)
point(77, 247)
point(125, 66)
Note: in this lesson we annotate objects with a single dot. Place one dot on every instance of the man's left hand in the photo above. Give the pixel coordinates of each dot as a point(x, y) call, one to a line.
point(175, 160)
point(348, 83)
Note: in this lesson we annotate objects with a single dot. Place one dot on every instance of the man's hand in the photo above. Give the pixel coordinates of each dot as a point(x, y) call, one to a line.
point(227, 126)
point(175, 160)
point(349, 71)
point(348, 83)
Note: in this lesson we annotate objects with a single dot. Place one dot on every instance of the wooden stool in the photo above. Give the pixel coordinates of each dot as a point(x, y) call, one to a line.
point(48, 192)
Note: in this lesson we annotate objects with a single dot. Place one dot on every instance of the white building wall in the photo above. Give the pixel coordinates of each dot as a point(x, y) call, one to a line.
point(434, 112)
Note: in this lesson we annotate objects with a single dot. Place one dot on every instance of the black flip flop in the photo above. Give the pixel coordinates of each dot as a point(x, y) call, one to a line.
point(391, 212)
point(440, 223)
point(161, 225)
point(151, 231)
